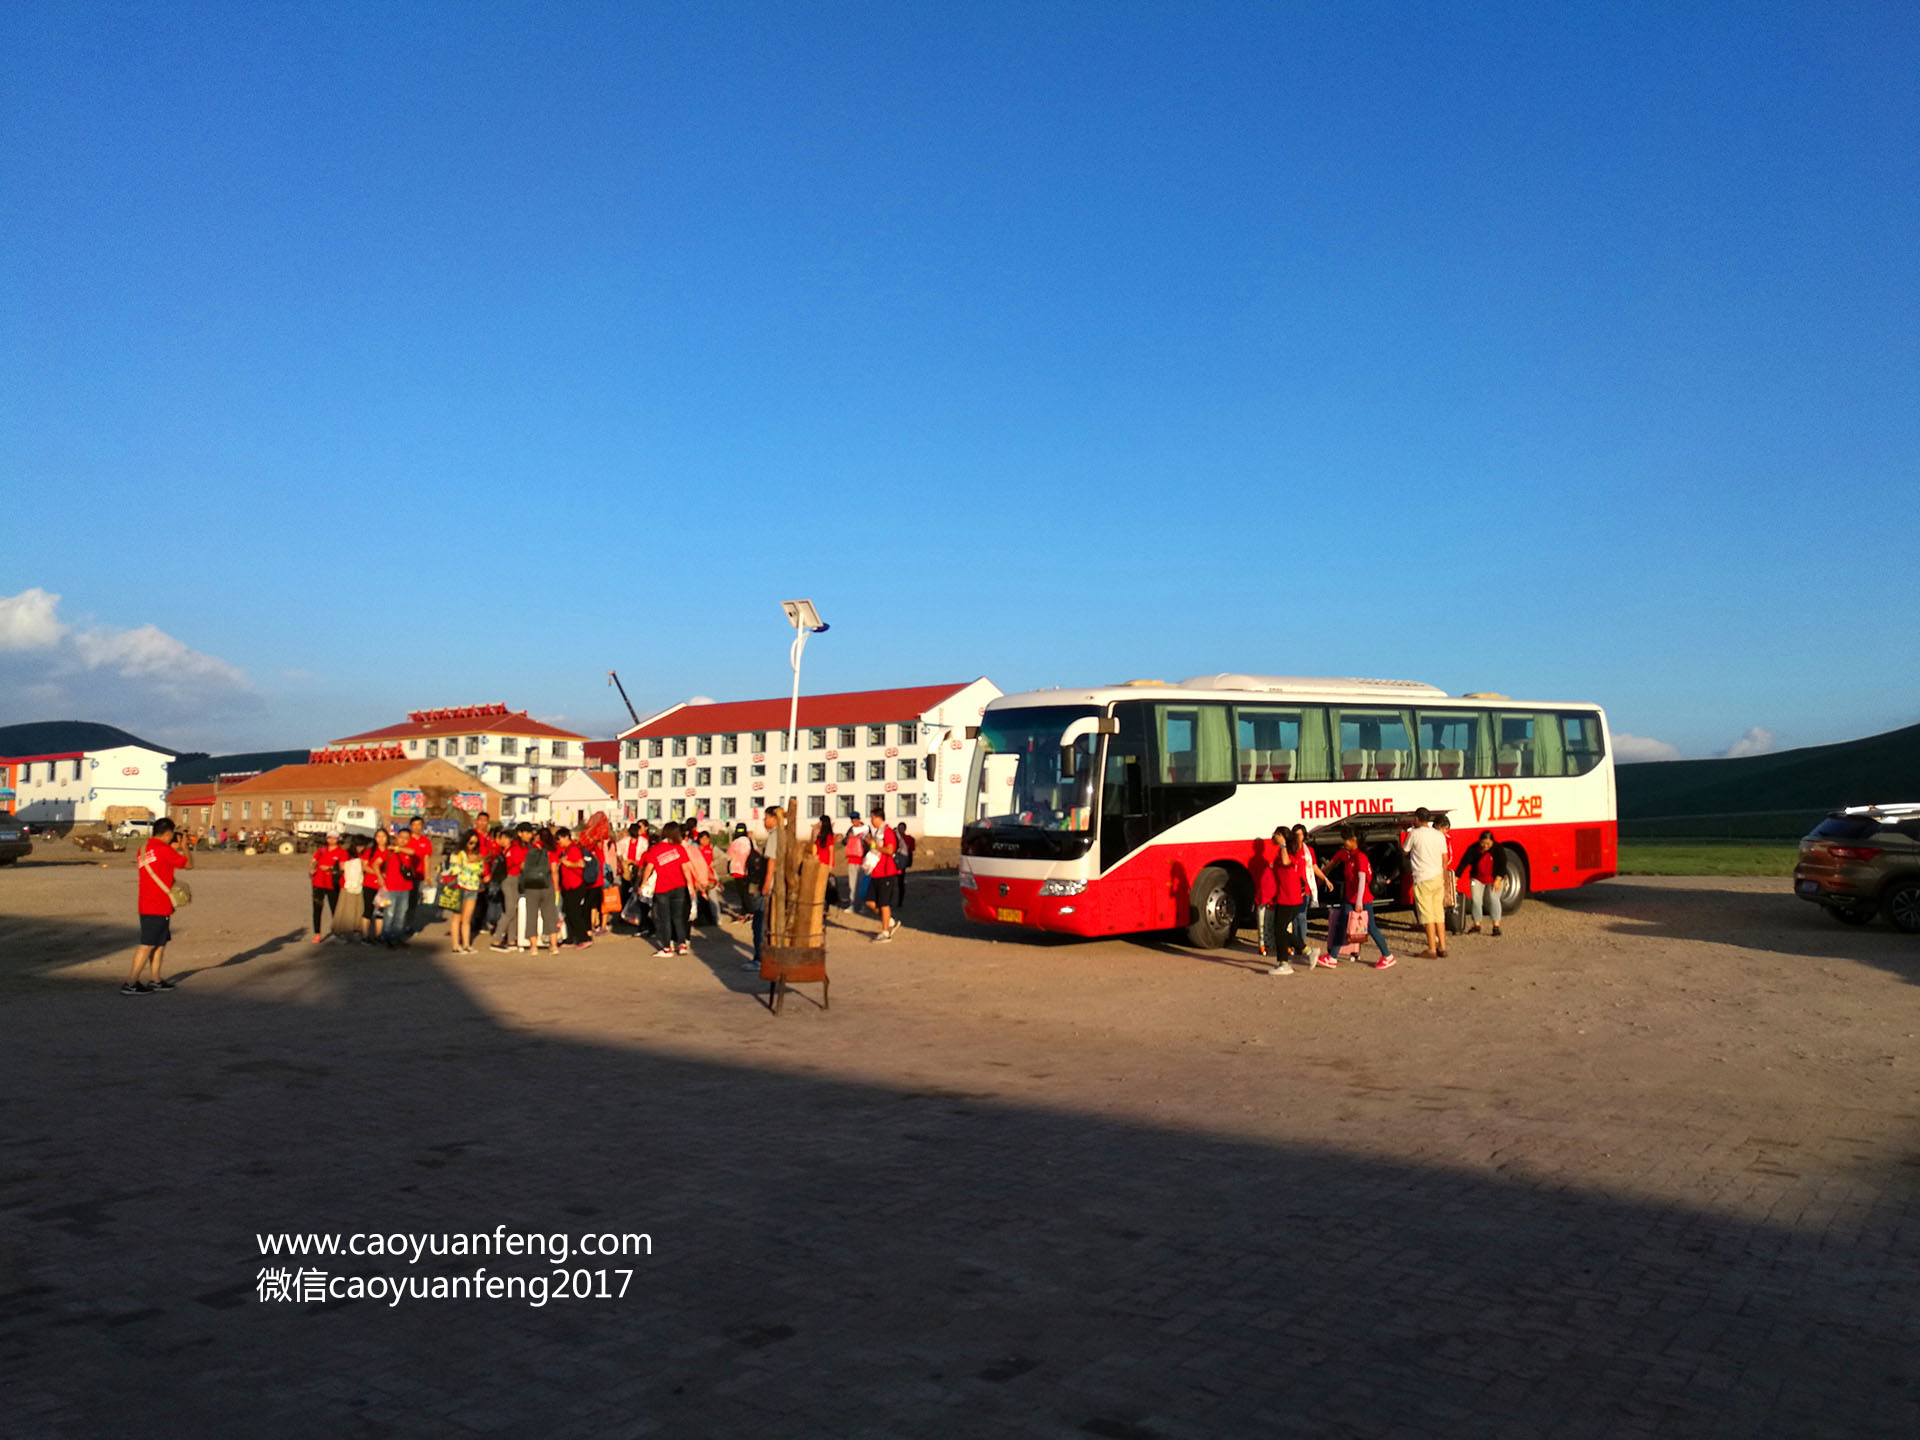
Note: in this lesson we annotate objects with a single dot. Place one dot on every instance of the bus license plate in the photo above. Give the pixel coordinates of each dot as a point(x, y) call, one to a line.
point(1011, 917)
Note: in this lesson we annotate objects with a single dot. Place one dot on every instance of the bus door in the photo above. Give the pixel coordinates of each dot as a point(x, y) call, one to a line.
point(1123, 795)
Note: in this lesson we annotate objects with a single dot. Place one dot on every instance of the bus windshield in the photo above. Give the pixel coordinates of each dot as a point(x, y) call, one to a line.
point(1021, 777)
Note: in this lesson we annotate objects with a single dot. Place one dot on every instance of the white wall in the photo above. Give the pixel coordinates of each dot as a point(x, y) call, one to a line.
point(103, 781)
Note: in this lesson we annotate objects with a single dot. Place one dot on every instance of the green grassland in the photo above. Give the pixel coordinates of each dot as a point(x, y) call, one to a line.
point(1706, 857)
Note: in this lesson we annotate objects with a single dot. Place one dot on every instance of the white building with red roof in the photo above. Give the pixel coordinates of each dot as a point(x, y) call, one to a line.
point(904, 752)
point(524, 759)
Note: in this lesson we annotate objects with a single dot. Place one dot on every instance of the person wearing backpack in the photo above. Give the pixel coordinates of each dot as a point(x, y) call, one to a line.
point(538, 914)
point(903, 857)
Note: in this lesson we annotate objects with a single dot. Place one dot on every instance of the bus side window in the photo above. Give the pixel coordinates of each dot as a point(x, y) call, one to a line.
point(1584, 748)
point(1453, 745)
point(1514, 758)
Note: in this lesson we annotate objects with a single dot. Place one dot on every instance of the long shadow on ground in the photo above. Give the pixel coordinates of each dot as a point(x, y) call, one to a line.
point(833, 1258)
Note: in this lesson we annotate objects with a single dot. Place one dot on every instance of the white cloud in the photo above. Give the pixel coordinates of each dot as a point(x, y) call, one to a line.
point(1755, 742)
point(143, 679)
point(30, 620)
point(1632, 749)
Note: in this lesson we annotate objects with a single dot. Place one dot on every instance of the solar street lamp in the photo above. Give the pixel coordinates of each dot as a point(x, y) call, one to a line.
point(805, 621)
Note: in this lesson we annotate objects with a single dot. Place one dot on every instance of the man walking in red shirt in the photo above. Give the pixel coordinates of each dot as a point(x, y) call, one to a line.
point(160, 858)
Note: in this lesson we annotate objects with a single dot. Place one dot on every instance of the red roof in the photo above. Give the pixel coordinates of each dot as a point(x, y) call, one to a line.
point(604, 753)
point(355, 775)
point(462, 720)
point(850, 707)
point(184, 795)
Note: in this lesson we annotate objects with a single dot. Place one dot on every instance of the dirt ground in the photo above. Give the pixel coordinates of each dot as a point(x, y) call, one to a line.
point(1645, 1164)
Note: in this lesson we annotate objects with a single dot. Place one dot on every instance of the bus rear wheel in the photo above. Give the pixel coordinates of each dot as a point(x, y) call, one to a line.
point(1513, 885)
point(1215, 911)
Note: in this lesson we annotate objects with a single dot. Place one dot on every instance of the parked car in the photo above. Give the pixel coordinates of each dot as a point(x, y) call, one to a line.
point(1864, 861)
point(14, 844)
point(134, 829)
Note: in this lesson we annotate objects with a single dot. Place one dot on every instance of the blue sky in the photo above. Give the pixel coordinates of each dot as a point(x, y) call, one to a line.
point(359, 358)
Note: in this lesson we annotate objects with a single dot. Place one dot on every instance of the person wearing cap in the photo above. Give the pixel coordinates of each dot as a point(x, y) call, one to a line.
point(327, 860)
point(737, 855)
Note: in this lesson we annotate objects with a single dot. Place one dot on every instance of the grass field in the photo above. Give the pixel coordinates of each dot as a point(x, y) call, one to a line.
point(1707, 857)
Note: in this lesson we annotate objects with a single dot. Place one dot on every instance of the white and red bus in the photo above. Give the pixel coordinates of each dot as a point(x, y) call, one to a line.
point(1148, 806)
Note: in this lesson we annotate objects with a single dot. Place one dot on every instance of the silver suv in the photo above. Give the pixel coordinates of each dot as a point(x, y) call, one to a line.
point(1864, 861)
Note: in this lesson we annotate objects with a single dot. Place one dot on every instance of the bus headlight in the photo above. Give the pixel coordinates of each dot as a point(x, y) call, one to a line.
point(1064, 887)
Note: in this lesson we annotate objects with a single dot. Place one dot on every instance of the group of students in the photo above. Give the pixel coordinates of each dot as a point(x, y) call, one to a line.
point(370, 889)
point(1289, 884)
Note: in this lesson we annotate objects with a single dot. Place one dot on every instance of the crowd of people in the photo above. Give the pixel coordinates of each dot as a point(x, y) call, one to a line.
point(1289, 883)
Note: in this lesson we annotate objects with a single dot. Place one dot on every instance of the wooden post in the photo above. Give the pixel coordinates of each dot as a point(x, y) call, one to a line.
point(796, 950)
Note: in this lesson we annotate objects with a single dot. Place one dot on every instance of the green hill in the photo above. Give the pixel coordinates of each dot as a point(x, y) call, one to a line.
point(1759, 796)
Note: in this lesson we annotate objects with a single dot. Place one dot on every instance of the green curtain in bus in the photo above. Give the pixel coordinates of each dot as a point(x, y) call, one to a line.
point(1315, 764)
point(1215, 764)
point(1549, 754)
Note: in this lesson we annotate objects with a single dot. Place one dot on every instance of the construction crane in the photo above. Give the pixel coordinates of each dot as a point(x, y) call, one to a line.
point(614, 680)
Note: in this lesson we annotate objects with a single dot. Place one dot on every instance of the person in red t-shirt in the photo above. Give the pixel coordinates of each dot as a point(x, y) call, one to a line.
point(387, 875)
point(1267, 865)
point(1355, 874)
point(666, 862)
point(327, 860)
point(570, 859)
point(417, 845)
point(884, 889)
point(160, 859)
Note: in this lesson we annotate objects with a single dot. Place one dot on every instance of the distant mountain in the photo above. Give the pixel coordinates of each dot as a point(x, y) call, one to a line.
point(66, 737)
point(200, 768)
point(1776, 793)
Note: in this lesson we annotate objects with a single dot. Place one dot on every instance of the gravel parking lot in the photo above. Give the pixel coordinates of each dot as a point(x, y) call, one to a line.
point(1645, 1165)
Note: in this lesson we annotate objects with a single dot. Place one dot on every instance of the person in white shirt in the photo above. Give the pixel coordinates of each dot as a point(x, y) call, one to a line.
point(1426, 851)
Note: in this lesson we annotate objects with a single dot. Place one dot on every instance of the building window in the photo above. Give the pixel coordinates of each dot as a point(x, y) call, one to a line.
point(876, 769)
point(876, 804)
point(76, 769)
point(679, 778)
point(331, 804)
point(559, 777)
point(729, 774)
point(909, 769)
point(226, 809)
point(909, 733)
point(817, 739)
point(630, 750)
point(727, 807)
point(876, 734)
point(308, 805)
point(817, 771)
point(653, 809)
point(286, 809)
point(729, 745)
point(759, 741)
point(413, 747)
point(816, 806)
point(654, 779)
point(679, 744)
point(533, 754)
point(509, 774)
point(703, 775)
point(703, 746)
point(909, 806)
point(473, 744)
point(758, 772)
point(559, 749)
point(631, 780)
point(246, 810)
point(847, 736)
point(656, 748)
point(843, 770)
point(509, 745)
point(843, 806)
point(433, 749)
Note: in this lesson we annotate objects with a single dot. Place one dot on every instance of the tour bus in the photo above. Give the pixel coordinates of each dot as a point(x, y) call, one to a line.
point(1149, 806)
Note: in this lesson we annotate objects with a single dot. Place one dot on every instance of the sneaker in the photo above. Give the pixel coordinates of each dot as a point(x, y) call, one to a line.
point(882, 935)
point(663, 953)
point(167, 984)
point(1383, 962)
point(317, 939)
point(1325, 962)
point(749, 964)
point(136, 987)
point(584, 945)
point(683, 950)
point(1496, 929)
point(1283, 968)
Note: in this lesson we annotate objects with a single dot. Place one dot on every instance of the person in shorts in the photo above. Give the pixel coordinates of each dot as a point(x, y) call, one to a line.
point(160, 858)
point(883, 889)
point(1426, 851)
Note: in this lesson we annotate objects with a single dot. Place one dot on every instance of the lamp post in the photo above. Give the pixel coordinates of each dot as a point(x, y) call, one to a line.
point(805, 621)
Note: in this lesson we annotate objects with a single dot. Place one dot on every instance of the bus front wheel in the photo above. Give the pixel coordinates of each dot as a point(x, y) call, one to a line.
point(1215, 913)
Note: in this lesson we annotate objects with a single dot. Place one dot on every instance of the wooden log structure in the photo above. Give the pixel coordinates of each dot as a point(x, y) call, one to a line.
point(796, 948)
